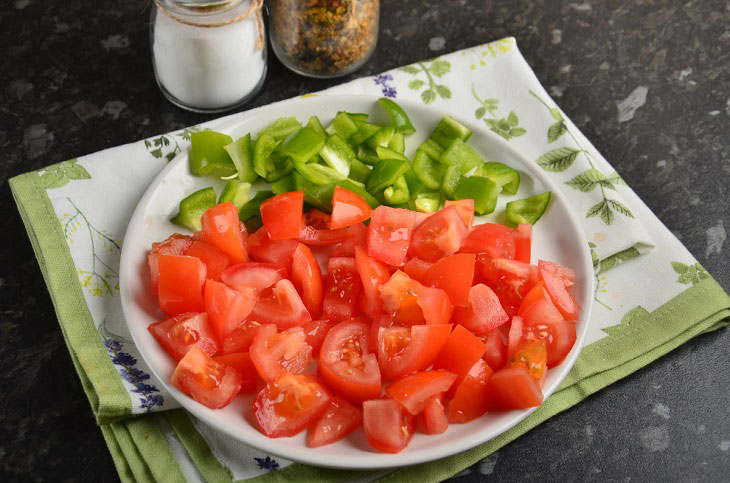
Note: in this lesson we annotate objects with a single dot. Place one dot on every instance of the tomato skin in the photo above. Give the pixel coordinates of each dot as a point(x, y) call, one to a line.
point(555, 278)
point(417, 269)
point(523, 243)
point(433, 417)
point(495, 240)
point(378, 322)
point(388, 427)
point(176, 244)
point(280, 305)
point(252, 276)
point(472, 396)
point(440, 235)
point(453, 274)
point(514, 388)
point(214, 259)
point(240, 338)
point(242, 363)
point(178, 334)
point(373, 274)
point(348, 208)
point(484, 312)
point(496, 354)
point(559, 336)
point(416, 352)
point(514, 280)
point(516, 333)
point(338, 421)
point(410, 302)
point(181, 284)
point(342, 288)
point(226, 308)
point(223, 230)
point(346, 365)
point(290, 404)
point(282, 214)
point(321, 237)
point(306, 275)
point(461, 350)
point(465, 209)
point(357, 236)
point(414, 391)
point(208, 382)
point(276, 252)
point(315, 331)
point(272, 352)
point(389, 234)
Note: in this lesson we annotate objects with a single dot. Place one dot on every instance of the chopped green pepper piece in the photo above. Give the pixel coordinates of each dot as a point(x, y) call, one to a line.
point(398, 143)
point(385, 173)
point(192, 208)
point(358, 116)
point(428, 171)
point(450, 182)
point(427, 202)
point(381, 138)
point(397, 193)
point(208, 156)
point(367, 155)
point(319, 196)
point(251, 209)
point(282, 167)
point(235, 191)
point(358, 189)
point(528, 210)
point(447, 130)
point(338, 154)
point(432, 149)
point(503, 175)
point(385, 153)
point(398, 116)
point(263, 163)
point(303, 145)
point(462, 156)
point(240, 152)
point(359, 171)
point(482, 190)
point(282, 128)
point(342, 125)
point(283, 185)
point(415, 185)
point(316, 125)
point(364, 132)
point(317, 173)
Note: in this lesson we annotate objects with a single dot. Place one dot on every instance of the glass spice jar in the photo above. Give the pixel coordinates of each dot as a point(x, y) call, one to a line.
point(208, 55)
point(323, 38)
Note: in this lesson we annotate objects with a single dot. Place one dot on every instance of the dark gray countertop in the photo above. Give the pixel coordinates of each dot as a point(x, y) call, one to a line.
point(77, 78)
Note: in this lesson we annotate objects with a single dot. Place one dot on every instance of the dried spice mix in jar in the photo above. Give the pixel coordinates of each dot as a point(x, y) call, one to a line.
point(323, 38)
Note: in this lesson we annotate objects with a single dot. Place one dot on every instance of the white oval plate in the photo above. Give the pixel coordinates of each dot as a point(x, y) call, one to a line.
point(557, 237)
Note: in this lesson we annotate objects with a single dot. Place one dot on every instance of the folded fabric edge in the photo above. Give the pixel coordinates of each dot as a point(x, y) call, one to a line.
point(107, 395)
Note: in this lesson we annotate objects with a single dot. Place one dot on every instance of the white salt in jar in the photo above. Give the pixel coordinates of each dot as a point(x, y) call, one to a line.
point(209, 56)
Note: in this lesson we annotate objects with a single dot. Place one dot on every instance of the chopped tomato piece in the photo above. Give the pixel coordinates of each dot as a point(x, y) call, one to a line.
point(342, 288)
point(242, 363)
point(175, 245)
point(440, 235)
point(388, 427)
point(210, 383)
point(417, 269)
point(348, 208)
point(484, 312)
point(339, 420)
point(516, 332)
point(465, 209)
point(226, 308)
point(402, 350)
point(282, 215)
point(322, 237)
point(472, 396)
point(389, 234)
point(280, 305)
point(378, 322)
point(240, 338)
point(433, 417)
point(410, 302)
point(453, 274)
point(514, 388)
point(357, 236)
point(306, 275)
point(223, 230)
point(215, 260)
point(536, 293)
point(373, 274)
point(495, 240)
point(514, 280)
point(532, 355)
point(558, 334)
point(316, 219)
point(276, 252)
point(523, 243)
point(556, 278)
point(252, 276)
point(461, 351)
point(315, 331)
point(496, 354)
point(178, 334)
point(290, 404)
point(273, 352)
point(414, 391)
point(346, 364)
point(181, 284)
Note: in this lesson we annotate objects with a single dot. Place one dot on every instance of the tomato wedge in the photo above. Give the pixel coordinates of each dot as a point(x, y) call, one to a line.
point(315, 331)
point(472, 396)
point(515, 335)
point(223, 230)
point(514, 388)
point(282, 215)
point(178, 334)
point(252, 276)
point(175, 245)
point(389, 234)
point(346, 365)
point(433, 417)
point(556, 278)
point(272, 352)
point(402, 350)
point(484, 312)
point(240, 338)
point(275, 252)
point(461, 350)
point(453, 274)
point(496, 354)
point(181, 284)
point(226, 308)
point(348, 208)
point(495, 240)
point(417, 269)
point(210, 383)
point(215, 260)
point(357, 236)
point(342, 288)
point(307, 279)
point(280, 305)
point(410, 302)
point(241, 362)
point(514, 280)
point(532, 355)
point(558, 334)
point(414, 391)
point(440, 235)
point(388, 427)
point(465, 209)
point(523, 243)
point(290, 404)
point(373, 274)
point(337, 421)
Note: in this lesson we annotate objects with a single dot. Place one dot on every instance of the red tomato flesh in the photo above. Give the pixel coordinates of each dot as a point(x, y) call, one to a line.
point(389, 234)
point(282, 215)
point(223, 230)
point(532, 355)
point(242, 363)
point(523, 243)
point(461, 350)
point(417, 269)
point(556, 278)
point(513, 282)
point(276, 252)
point(226, 308)
point(414, 391)
point(348, 208)
point(402, 350)
point(240, 338)
point(410, 302)
point(440, 235)
point(388, 427)
point(252, 276)
point(175, 245)
point(338, 421)
point(272, 352)
point(373, 274)
point(495, 240)
point(306, 275)
point(472, 396)
point(465, 209)
point(181, 284)
point(514, 388)
point(484, 312)
point(357, 236)
point(315, 331)
point(215, 260)
point(342, 288)
point(496, 354)
point(210, 383)
point(433, 417)
point(280, 305)
point(178, 334)
point(453, 274)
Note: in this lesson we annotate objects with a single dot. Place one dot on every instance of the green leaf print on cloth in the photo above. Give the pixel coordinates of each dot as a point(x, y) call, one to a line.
point(506, 127)
point(690, 273)
point(632, 315)
point(432, 68)
point(491, 49)
point(61, 174)
point(166, 145)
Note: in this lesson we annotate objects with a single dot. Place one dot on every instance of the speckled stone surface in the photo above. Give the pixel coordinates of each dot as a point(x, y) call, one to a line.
point(77, 78)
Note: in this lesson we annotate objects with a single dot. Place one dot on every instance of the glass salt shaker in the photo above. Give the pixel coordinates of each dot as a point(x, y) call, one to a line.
point(208, 56)
point(323, 38)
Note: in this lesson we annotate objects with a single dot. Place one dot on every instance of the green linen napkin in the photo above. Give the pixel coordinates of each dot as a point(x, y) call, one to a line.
point(76, 213)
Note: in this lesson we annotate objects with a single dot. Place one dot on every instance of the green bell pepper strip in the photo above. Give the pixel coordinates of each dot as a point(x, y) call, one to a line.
point(263, 163)
point(432, 149)
point(192, 208)
point(397, 193)
point(208, 156)
point(342, 125)
point(426, 202)
point(282, 128)
point(358, 189)
point(381, 138)
point(252, 208)
point(398, 143)
point(528, 210)
point(317, 174)
point(359, 171)
point(316, 125)
point(503, 175)
point(358, 116)
point(427, 170)
point(398, 116)
point(365, 131)
point(338, 154)
point(283, 185)
point(385, 173)
point(385, 153)
point(318, 196)
point(253, 224)
point(461, 155)
point(450, 182)
point(367, 155)
point(235, 191)
point(415, 185)
point(282, 167)
point(303, 145)
point(240, 153)
point(482, 190)
point(447, 130)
